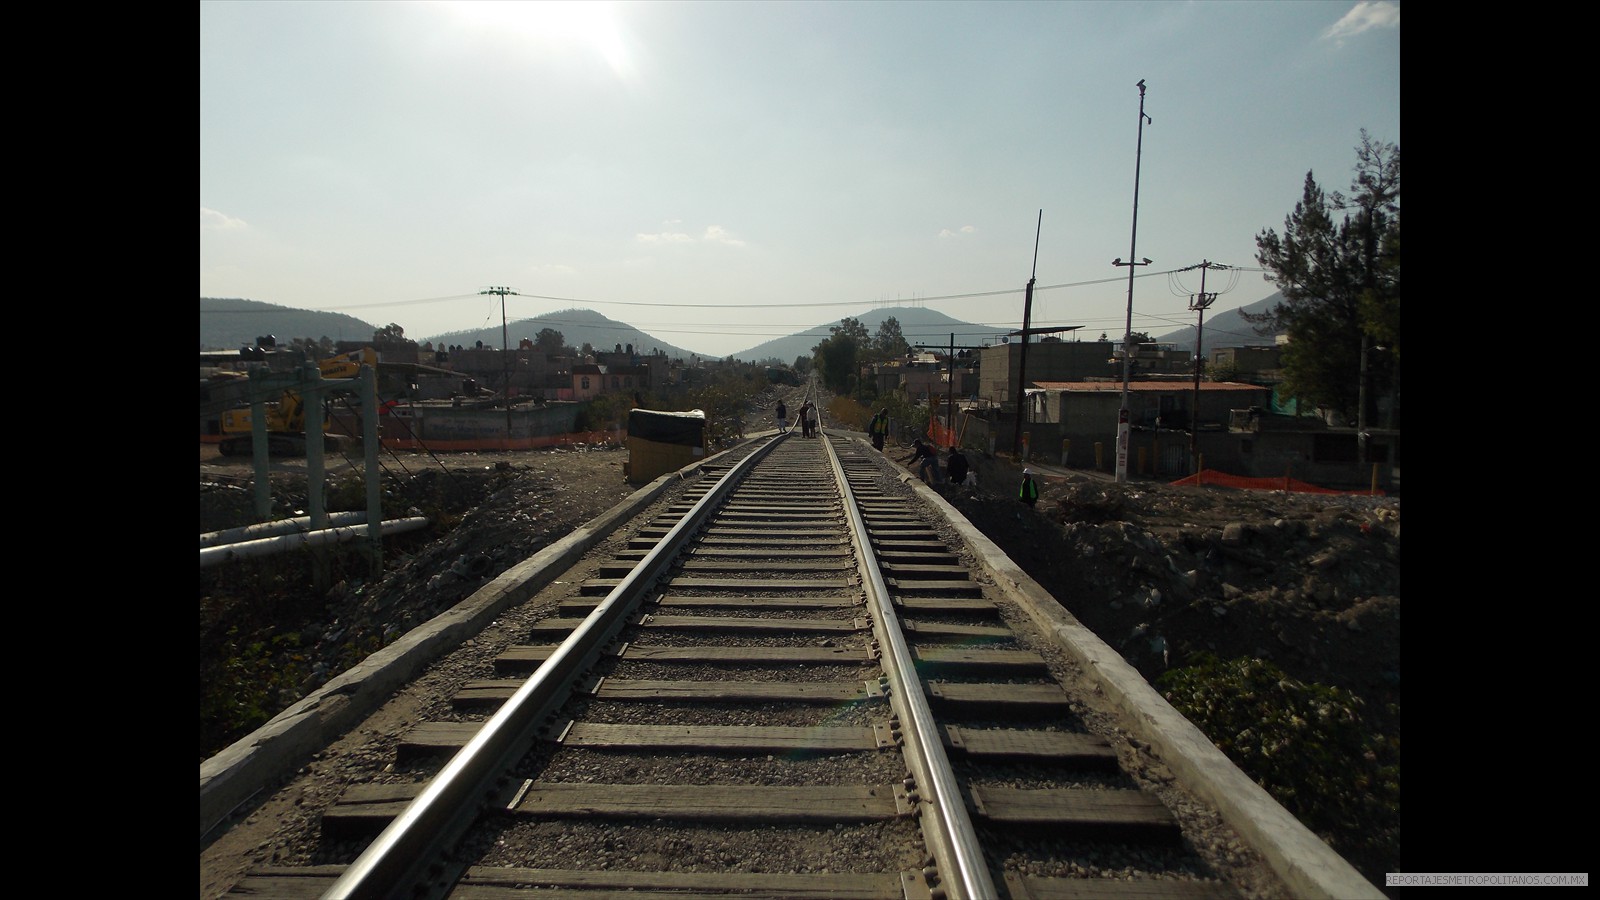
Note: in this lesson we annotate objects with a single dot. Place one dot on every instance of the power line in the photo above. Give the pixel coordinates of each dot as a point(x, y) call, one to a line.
point(663, 305)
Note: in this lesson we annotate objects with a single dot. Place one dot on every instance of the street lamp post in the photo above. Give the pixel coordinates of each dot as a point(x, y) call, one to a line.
point(1123, 426)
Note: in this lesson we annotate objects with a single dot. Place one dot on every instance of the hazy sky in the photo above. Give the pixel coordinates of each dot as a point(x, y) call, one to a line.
point(719, 174)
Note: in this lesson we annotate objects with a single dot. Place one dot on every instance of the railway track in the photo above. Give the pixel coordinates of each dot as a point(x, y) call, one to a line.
point(791, 676)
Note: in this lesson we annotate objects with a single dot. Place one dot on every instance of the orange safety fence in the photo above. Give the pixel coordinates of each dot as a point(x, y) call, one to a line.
point(1293, 485)
point(941, 435)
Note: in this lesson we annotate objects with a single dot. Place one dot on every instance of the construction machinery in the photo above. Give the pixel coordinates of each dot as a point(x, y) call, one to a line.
point(286, 416)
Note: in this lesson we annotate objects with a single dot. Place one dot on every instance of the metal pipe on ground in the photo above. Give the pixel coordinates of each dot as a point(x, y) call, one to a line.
point(273, 529)
point(213, 556)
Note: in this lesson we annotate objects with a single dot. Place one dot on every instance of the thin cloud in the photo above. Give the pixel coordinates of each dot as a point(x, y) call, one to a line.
point(718, 235)
point(965, 229)
point(1365, 16)
point(215, 221)
point(663, 237)
point(714, 234)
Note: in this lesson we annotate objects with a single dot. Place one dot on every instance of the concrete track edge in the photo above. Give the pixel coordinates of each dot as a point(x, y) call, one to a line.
point(1307, 865)
point(233, 776)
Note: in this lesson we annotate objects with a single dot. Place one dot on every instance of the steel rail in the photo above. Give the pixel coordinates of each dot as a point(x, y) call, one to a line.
point(952, 839)
point(405, 858)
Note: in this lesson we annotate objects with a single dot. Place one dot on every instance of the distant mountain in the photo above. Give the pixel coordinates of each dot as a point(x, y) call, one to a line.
point(577, 327)
point(228, 324)
point(1225, 329)
point(918, 325)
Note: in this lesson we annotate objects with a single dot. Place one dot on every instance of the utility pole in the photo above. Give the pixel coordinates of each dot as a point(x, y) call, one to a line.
point(1022, 355)
point(1022, 395)
point(1200, 303)
point(1123, 426)
point(505, 355)
point(950, 394)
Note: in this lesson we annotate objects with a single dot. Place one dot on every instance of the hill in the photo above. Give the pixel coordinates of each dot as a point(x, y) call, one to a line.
point(1224, 329)
point(577, 327)
point(231, 323)
point(918, 325)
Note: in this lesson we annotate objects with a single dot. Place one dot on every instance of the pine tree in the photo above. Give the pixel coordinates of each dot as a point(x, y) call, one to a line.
point(1340, 279)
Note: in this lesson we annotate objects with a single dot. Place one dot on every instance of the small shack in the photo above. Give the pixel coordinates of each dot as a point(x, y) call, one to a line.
point(662, 442)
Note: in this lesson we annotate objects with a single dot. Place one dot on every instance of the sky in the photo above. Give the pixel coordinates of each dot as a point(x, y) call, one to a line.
point(719, 174)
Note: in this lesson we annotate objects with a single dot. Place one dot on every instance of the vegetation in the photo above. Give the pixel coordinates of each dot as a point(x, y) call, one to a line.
point(889, 343)
point(549, 340)
point(1222, 371)
point(725, 392)
point(260, 668)
point(1307, 745)
point(840, 357)
point(1340, 279)
point(606, 412)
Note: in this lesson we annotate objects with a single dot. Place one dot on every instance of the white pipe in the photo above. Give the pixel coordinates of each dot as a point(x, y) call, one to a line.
point(212, 556)
point(271, 529)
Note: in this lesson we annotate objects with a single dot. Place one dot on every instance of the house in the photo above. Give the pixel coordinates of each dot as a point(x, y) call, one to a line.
point(1093, 406)
point(1070, 361)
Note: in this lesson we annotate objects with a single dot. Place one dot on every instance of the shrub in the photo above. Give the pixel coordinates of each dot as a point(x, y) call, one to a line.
point(1306, 744)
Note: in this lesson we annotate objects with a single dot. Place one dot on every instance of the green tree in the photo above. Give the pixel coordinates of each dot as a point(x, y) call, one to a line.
point(388, 334)
point(313, 349)
point(838, 356)
point(549, 340)
point(1337, 264)
point(1224, 371)
point(889, 343)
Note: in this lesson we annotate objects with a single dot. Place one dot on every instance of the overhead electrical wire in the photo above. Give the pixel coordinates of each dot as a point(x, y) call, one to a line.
point(660, 305)
point(632, 327)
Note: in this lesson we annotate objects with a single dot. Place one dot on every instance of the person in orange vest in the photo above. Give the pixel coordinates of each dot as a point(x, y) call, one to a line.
point(1029, 492)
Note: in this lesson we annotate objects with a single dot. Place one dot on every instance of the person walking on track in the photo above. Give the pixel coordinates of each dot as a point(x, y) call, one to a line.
point(783, 418)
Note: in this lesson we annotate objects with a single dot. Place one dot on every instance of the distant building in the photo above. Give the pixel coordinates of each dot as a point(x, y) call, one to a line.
point(1255, 363)
point(1069, 361)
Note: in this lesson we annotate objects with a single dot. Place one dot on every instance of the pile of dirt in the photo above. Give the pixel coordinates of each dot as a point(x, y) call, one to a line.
point(1309, 582)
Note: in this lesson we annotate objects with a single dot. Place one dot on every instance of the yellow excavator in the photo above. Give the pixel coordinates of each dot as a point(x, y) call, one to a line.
point(286, 416)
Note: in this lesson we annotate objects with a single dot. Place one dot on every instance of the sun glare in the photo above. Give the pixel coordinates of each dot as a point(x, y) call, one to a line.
point(590, 24)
